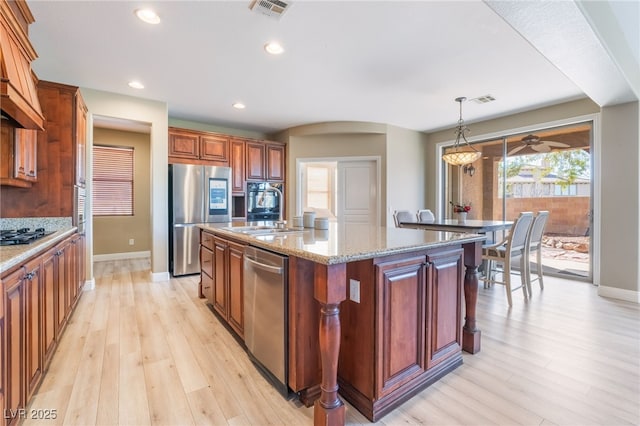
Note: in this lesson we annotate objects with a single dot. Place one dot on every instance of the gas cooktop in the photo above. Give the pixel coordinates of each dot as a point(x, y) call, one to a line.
point(22, 236)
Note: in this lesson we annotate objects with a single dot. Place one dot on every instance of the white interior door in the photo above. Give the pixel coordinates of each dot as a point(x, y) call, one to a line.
point(358, 192)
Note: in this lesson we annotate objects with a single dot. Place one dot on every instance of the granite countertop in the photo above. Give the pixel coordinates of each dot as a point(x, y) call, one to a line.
point(344, 242)
point(14, 255)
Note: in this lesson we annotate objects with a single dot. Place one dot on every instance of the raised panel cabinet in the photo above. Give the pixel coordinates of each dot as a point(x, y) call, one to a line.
point(18, 156)
point(255, 164)
point(214, 147)
point(220, 299)
point(14, 367)
point(34, 298)
point(49, 303)
point(236, 287)
point(195, 147)
point(237, 166)
point(80, 134)
point(275, 162)
point(26, 155)
point(33, 326)
point(63, 279)
point(444, 304)
point(402, 330)
point(401, 323)
point(221, 278)
point(265, 161)
point(184, 145)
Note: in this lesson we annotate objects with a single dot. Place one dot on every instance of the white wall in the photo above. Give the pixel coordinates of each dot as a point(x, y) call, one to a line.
point(155, 114)
point(620, 202)
point(406, 171)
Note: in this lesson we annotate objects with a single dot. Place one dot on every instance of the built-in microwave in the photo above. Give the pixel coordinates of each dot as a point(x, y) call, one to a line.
point(263, 203)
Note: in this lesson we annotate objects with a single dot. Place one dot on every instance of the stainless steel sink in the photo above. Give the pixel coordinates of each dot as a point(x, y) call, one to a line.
point(263, 230)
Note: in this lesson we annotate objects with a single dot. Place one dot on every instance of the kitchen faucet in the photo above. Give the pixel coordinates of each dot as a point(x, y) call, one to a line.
point(280, 223)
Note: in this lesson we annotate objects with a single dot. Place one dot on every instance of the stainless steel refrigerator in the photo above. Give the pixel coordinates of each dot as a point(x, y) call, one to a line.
point(197, 194)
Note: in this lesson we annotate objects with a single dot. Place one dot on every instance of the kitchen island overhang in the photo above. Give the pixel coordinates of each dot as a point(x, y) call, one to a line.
point(405, 261)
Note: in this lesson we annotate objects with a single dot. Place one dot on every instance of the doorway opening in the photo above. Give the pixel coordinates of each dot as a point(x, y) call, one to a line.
point(547, 169)
point(343, 189)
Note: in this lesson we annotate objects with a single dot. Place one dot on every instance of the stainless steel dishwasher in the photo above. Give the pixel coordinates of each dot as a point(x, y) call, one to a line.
point(265, 313)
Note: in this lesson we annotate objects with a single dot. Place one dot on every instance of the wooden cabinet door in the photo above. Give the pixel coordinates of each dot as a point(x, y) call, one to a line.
point(400, 322)
point(26, 154)
point(184, 145)
point(444, 305)
point(236, 287)
point(207, 273)
point(237, 166)
point(73, 271)
point(220, 303)
point(275, 162)
point(49, 289)
point(255, 160)
point(14, 377)
point(63, 279)
point(80, 139)
point(18, 156)
point(81, 261)
point(33, 326)
point(207, 287)
point(214, 148)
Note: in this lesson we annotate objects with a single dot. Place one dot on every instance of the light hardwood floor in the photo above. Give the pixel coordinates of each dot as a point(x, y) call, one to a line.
point(137, 352)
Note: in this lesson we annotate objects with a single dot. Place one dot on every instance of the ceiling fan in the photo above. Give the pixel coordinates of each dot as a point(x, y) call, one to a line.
point(534, 142)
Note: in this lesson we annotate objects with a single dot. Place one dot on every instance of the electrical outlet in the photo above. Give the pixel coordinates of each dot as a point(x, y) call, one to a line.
point(354, 290)
point(131, 241)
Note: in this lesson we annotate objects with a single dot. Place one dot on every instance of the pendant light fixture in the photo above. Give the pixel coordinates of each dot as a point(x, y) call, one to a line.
point(461, 155)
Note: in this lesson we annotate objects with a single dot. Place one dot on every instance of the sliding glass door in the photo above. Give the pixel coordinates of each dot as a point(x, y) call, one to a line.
point(549, 169)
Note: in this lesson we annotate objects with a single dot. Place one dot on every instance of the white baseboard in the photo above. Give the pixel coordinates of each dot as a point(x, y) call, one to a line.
point(159, 276)
point(121, 256)
point(619, 293)
point(89, 285)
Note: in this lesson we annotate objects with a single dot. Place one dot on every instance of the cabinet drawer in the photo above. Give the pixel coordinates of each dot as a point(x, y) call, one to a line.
point(207, 240)
point(206, 260)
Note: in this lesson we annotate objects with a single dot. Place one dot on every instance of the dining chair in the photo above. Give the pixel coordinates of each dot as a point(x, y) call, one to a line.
point(426, 215)
point(534, 244)
point(400, 216)
point(505, 253)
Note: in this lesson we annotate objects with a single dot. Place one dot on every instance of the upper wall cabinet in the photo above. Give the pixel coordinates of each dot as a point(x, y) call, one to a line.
point(61, 154)
point(18, 156)
point(265, 161)
point(18, 95)
point(80, 118)
point(187, 146)
point(237, 165)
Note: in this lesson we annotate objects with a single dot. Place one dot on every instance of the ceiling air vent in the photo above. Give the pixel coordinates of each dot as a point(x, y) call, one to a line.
point(272, 8)
point(483, 99)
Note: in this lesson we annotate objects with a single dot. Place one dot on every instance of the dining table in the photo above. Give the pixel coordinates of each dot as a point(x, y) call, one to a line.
point(474, 226)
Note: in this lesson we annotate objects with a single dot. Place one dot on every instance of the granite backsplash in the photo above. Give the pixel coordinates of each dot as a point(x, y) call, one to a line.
point(48, 223)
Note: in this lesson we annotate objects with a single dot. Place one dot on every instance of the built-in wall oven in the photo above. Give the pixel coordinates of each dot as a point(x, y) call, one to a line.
point(263, 204)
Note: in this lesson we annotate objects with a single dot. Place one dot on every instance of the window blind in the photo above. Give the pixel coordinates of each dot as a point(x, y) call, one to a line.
point(112, 181)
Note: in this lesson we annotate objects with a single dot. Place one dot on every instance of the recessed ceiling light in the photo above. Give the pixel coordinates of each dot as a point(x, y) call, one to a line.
point(274, 48)
point(239, 105)
point(148, 16)
point(136, 85)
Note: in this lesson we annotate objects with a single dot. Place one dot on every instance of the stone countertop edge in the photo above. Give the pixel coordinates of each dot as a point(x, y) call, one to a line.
point(11, 256)
point(453, 238)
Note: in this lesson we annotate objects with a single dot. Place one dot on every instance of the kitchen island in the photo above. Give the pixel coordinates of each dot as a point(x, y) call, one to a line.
point(375, 310)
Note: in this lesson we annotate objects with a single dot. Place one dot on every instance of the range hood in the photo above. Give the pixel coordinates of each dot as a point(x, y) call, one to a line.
point(18, 95)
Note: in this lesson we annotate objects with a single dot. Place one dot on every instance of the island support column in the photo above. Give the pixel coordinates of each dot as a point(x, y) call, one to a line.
point(330, 289)
point(470, 334)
